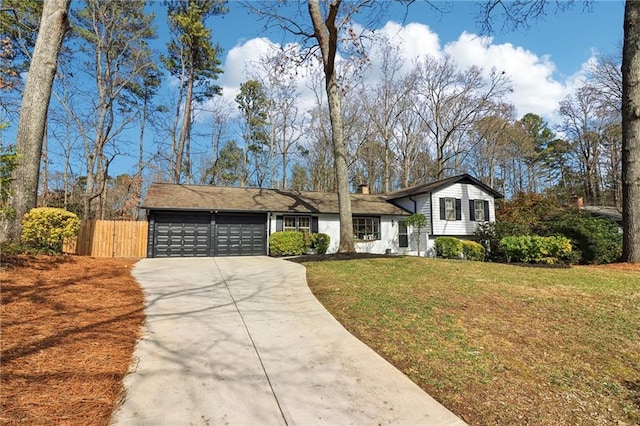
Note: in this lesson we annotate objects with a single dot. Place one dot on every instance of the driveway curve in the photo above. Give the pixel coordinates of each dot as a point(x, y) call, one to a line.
point(243, 341)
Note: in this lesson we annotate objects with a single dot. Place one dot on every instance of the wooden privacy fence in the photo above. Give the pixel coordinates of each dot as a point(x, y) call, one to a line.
point(110, 238)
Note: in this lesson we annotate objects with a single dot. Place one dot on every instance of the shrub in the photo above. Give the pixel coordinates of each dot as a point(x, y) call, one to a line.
point(46, 228)
point(320, 242)
point(287, 243)
point(472, 250)
point(536, 249)
point(594, 240)
point(597, 240)
point(448, 247)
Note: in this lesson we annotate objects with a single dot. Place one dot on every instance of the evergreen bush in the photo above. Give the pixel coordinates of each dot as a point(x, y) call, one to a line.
point(536, 249)
point(287, 243)
point(597, 240)
point(320, 242)
point(448, 247)
point(473, 250)
point(46, 228)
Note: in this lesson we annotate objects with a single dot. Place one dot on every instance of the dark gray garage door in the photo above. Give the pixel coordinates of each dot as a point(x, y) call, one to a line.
point(240, 235)
point(199, 234)
point(181, 235)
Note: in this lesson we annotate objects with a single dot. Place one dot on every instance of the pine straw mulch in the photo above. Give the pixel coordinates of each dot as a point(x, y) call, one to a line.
point(69, 327)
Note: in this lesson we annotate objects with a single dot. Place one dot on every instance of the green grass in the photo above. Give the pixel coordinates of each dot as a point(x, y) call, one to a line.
point(498, 344)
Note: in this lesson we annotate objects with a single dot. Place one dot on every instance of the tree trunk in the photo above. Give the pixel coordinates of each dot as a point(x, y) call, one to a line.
point(326, 33)
point(185, 131)
point(631, 133)
point(33, 115)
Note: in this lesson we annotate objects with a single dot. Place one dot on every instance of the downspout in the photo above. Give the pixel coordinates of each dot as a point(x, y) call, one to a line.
point(268, 231)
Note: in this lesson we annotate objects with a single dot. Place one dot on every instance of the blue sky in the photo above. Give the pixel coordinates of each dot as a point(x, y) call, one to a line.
point(569, 38)
point(545, 61)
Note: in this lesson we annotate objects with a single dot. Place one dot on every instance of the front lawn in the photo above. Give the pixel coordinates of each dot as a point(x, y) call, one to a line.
point(498, 344)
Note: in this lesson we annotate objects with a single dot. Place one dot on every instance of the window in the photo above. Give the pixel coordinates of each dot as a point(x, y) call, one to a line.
point(403, 235)
point(450, 209)
point(366, 228)
point(478, 208)
point(296, 223)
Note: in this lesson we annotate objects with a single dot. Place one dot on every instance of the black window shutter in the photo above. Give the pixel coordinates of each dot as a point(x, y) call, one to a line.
point(486, 210)
point(442, 209)
point(314, 224)
point(458, 209)
point(279, 223)
point(472, 210)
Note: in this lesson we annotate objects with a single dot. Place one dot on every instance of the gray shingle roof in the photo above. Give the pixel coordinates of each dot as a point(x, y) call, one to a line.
point(166, 196)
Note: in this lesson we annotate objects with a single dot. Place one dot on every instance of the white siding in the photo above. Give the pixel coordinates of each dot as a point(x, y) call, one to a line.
point(330, 224)
point(465, 192)
point(421, 204)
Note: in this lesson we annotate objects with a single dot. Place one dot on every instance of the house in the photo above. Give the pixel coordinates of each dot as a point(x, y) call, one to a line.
point(194, 220)
point(612, 213)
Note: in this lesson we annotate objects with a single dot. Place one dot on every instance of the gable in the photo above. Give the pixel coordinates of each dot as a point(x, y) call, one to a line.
point(440, 185)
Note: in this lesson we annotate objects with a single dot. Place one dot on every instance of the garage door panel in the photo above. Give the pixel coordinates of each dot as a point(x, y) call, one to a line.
point(240, 235)
point(182, 235)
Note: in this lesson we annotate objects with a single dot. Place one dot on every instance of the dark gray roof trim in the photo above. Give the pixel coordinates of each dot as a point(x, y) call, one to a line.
point(433, 186)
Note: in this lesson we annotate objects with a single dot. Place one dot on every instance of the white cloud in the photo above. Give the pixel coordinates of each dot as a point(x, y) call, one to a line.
point(535, 89)
point(414, 40)
point(536, 86)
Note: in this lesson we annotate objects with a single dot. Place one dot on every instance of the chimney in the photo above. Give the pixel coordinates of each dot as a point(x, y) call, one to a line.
point(578, 202)
point(363, 189)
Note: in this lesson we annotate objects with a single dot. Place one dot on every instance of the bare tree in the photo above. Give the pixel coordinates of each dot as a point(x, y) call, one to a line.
point(277, 73)
point(326, 27)
point(115, 36)
point(449, 101)
point(33, 115)
point(584, 124)
point(384, 105)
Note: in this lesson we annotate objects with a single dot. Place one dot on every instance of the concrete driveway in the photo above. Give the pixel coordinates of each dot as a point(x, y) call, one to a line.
point(242, 341)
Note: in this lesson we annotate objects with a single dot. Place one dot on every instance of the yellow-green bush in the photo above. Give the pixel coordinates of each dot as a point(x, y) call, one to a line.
point(448, 247)
point(536, 249)
point(287, 243)
point(46, 228)
point(473, 250)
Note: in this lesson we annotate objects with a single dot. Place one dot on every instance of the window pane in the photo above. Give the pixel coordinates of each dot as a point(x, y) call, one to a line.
point(479, 210)
point(450, 208)
point(304, 224)
point(289, 223)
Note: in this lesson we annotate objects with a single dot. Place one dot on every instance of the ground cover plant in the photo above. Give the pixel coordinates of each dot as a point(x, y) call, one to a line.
point(496, 343)
point(69, 328)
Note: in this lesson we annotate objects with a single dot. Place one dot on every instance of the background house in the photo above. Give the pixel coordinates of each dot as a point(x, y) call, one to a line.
point(194, 220)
